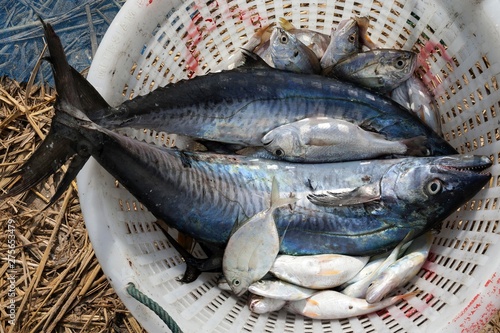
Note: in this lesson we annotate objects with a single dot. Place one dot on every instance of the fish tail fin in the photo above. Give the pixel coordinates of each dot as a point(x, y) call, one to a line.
point(75, 99)
point(416, 146)
point(276, 201)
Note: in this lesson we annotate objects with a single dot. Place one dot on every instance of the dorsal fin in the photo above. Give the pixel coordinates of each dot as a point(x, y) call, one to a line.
point(253, 60)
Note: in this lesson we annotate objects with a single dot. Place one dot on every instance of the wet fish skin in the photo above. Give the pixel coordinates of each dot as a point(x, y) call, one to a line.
point(344, 41)
point(359, 288)
point(318, 42)
point(290, 54)
point(322, 139)
point(330, 304)
point(414, 96)
point(259, 304)
point(402, 270)
point(253, 247)
point(279, 289)
point(380, 70)
point(322, 271)
point(202, 194)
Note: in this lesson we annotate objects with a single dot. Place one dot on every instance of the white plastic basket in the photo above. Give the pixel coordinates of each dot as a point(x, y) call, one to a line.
point(153, 42)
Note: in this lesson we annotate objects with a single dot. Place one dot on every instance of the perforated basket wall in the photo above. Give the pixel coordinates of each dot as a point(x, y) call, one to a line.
point(153, 42)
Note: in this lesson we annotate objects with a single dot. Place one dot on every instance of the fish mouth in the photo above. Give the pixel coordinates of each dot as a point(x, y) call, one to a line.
point(467, 164)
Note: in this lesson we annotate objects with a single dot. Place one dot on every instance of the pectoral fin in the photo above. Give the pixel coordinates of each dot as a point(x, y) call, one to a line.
point(346, 197)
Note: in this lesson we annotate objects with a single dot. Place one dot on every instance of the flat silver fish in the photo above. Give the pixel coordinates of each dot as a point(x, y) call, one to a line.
point(402, 270)
point(344, 41)
point(278, 289)
point(290, 54)
point(259, 304)
point(414, 96)
point(317, 271)
point(330, 304)
point(251, 250)
point(322, 139)
point(380, 70)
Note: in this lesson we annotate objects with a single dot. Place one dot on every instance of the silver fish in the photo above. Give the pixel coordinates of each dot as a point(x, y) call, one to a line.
point(253, 247)
point(322, 139)
point(202, 194)
point(317, 271)
point(414, 95)
point(330, 304)
point(401, 271)
point(316, 41)
point(358, 289)
point(380, 70)
point(278, 289)
point(344, 41)
point(290, 54)
point(259, 304)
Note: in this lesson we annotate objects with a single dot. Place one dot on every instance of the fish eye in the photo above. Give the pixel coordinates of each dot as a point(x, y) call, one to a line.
point(399, 64)
point(352, 38)
point(434, 187)
point(279, 152)
point(284, 39)
point(236, 282)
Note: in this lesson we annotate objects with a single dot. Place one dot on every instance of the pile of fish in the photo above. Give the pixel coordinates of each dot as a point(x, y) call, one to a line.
point(286, 198)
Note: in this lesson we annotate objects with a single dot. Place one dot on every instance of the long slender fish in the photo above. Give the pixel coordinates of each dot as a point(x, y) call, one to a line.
point(401, 271)
point(251, 250)
point(202, 194)
point(322, 139)
point(359, 288)
point(330, 304)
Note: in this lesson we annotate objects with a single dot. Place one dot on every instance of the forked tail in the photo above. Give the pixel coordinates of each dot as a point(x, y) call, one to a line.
point(74, 94)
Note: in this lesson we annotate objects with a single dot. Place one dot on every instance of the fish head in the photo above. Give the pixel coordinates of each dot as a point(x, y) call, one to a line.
point(284, 142)
point(346, 37)
point(430, 188)
point(237, 281)
point(395, 66)
point(289, 53)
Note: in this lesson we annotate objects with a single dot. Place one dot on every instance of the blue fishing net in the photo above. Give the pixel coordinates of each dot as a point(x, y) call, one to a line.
point(80, 24)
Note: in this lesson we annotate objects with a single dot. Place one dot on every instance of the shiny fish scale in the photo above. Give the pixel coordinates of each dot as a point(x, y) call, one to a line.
point(260, 99)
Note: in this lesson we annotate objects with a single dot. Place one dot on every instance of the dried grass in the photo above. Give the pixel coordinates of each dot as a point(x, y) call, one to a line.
point(59, 285)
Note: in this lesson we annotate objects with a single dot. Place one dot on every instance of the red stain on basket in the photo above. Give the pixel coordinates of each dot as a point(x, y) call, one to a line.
point(426, 51)
point(428, 298)
point(383, 314)
point(150, 2)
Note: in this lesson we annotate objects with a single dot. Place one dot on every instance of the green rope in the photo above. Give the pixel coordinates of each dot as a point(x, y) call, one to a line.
point(153, 306)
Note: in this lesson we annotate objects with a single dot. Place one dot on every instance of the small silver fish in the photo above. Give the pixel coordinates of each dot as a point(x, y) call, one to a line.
point(322, 139)
point(259, 304)
point(381, 70)
point(290, 54)
point(344, 41)
point(402, 270)
point(317, 271)
point(253, 247)
point(278, 289)
point(316, 41)
point(358, 289)
point(413, 95)
point(330, 304)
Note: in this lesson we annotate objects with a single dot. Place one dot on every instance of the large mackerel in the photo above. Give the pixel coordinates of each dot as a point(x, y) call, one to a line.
point(355, 208)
